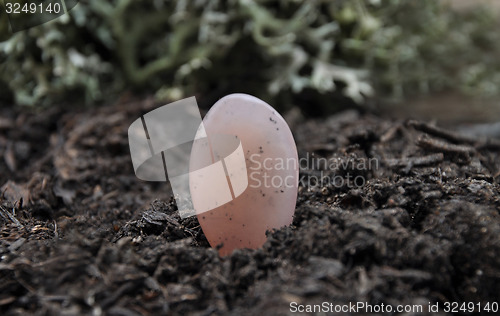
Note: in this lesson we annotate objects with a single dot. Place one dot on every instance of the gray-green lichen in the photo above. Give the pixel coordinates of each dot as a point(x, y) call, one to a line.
point(388, 48)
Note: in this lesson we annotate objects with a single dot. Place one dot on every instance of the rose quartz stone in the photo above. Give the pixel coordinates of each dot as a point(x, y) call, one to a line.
point(260, 165)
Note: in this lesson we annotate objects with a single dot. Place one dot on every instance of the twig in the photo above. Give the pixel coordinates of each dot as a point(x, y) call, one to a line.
point(56, 234)
point(415, 161)
point(457, 138)
point(7, 215)
point(438, 145)
point(390, 133)
point(441, 132)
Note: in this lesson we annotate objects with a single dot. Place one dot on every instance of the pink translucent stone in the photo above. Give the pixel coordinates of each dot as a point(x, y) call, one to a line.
point(271, 163)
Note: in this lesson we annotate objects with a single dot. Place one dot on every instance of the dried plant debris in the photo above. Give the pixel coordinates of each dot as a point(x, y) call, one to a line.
point(81, 235)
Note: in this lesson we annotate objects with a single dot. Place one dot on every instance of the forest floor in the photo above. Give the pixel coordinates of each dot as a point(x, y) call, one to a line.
point(80, 234)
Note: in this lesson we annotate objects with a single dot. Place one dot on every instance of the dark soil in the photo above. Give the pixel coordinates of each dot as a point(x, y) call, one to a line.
point(80, 234)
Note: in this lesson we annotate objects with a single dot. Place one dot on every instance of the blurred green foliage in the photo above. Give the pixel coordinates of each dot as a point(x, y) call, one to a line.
point(390, 49)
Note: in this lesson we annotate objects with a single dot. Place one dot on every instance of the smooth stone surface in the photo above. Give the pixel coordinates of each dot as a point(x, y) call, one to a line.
point(270, 165)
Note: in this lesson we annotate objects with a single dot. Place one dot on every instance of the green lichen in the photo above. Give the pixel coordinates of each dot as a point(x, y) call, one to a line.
point(391, 49)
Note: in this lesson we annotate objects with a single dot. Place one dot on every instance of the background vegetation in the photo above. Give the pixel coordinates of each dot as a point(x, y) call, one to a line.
point(281, 50)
